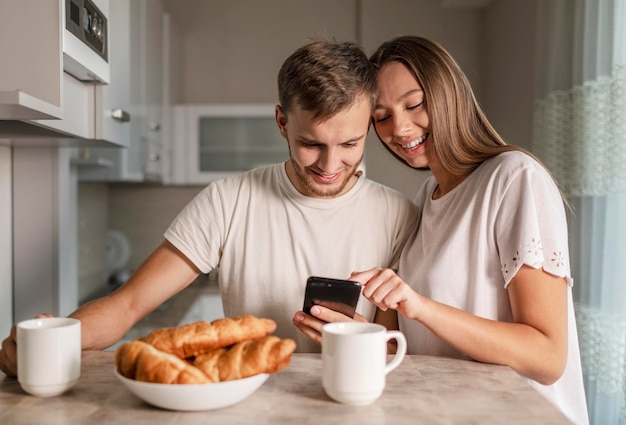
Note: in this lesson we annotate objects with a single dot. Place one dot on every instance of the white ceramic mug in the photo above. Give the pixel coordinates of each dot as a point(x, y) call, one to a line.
point(354, 360)
point(48, 355)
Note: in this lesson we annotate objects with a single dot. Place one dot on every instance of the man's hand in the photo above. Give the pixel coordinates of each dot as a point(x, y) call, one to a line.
point(8, 353)
point(311, 325)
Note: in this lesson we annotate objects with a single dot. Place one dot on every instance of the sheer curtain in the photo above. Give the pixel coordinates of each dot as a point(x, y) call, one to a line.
point(579, 131)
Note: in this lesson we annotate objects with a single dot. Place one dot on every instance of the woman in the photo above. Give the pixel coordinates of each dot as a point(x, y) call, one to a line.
point(487, 274)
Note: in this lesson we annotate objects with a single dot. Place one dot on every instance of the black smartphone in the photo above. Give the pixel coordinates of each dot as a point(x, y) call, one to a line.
point(337, 294)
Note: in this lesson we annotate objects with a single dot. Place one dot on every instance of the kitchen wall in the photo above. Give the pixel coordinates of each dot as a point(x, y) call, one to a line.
point(93, 223)
point(231, 52)
point(457, 29)
point(508, 45)
point(143, 213)
point(140, 212)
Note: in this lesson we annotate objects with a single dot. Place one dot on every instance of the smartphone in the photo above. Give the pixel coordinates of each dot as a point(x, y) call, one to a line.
point(336, 294)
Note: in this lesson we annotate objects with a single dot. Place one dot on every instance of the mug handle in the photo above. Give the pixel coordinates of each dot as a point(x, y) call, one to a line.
point(400, 352)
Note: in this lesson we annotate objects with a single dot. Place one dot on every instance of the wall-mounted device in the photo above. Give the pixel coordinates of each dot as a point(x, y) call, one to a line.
point(86, 41)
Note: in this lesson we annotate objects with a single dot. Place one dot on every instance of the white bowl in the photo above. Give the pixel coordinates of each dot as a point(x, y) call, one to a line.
point(191, 397)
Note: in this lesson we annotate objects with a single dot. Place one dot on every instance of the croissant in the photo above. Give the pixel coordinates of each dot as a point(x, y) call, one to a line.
point(142, 362)
point(267, 354)
point(196, 338)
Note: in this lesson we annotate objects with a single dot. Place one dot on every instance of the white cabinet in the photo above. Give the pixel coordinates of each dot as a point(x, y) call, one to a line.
point(32, 67)
point(114, 119)
point(216, 141)
point(6, 230)
point(40, 104)
point(133, 101)
point(119, 116)
point(78, 109)
point(152, 94)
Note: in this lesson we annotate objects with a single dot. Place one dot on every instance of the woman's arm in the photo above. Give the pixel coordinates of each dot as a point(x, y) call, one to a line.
point(534, 345)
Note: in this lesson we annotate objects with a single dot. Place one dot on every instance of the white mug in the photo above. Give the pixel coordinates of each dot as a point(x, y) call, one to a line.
point(354, 360)
point(48, 355)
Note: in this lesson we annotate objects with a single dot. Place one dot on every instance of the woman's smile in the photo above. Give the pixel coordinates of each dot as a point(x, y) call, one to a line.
point(413, 144)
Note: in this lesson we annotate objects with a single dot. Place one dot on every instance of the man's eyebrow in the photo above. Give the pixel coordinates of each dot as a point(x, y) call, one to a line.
point(354, 139)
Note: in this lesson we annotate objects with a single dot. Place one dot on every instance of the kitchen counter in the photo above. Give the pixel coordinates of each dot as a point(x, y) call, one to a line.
point(423, 389)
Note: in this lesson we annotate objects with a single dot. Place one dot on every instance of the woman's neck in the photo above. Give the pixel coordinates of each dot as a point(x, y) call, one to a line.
point(445, 180)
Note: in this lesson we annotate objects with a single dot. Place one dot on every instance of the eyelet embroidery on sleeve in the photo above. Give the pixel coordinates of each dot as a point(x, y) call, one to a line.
point(533, 256)
point(515, 259)
point(557, 259)
point(535, 248)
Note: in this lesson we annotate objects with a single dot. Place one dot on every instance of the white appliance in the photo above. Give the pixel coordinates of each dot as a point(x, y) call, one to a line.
point(86, 40)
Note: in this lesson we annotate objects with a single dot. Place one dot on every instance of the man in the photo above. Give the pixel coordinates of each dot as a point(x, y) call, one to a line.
point(272, 227)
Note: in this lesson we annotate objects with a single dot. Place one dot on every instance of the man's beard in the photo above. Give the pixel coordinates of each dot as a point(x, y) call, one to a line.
point(323, 192)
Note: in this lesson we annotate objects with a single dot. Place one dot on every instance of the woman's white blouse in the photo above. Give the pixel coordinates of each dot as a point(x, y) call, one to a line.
point(472, 241)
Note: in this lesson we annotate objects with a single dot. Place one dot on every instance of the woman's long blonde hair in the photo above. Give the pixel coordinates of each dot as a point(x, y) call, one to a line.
point(463, 137)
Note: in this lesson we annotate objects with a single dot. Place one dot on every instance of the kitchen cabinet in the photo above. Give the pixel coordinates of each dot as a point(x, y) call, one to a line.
point(32, 69)
point(45, 98)
point(6, 237)
point(78, 110)
point(45, 243)
point(220, 140)
point(134, 101)
point(152, 93)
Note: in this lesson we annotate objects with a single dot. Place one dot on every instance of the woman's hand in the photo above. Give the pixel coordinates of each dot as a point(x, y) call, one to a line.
point(311, 325)
point(385, 289)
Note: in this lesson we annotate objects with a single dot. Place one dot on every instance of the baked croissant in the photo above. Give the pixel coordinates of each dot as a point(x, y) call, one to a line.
point(142, 362)
point(267, 354)
point(197, 338)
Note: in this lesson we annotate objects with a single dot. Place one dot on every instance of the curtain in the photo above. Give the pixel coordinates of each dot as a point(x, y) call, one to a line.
point(579, 131)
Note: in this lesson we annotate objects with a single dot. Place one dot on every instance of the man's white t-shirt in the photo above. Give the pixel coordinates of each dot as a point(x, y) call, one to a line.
point(472, 241)
point(267, 239)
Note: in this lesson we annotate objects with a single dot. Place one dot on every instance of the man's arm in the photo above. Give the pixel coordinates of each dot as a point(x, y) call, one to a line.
point(104, 321)
point(165, 273)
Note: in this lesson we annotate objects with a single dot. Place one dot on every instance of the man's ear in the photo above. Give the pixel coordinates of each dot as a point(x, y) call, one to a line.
point(281, 121)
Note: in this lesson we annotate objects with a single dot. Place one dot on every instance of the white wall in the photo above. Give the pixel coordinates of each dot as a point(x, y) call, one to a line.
point(93, 222)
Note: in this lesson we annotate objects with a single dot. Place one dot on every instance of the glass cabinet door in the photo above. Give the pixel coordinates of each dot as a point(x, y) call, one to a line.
point(230, 139)
point(238, 143)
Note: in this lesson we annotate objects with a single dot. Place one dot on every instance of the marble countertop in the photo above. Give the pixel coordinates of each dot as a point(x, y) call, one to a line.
point(423, 389)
